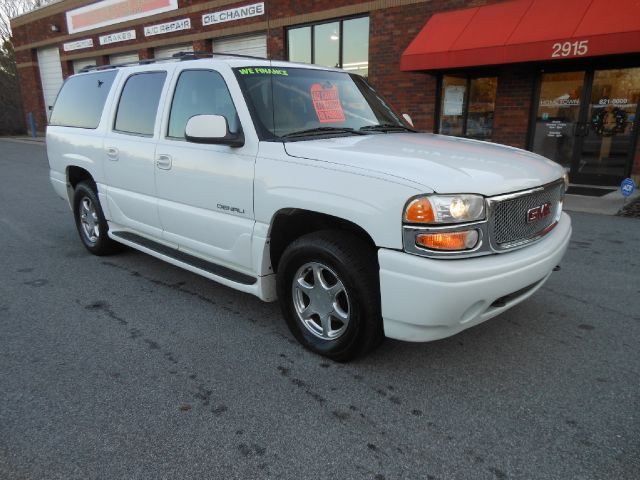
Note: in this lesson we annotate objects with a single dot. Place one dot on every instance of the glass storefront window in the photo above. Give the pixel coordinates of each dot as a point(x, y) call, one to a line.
point(467, 106)
point(454, 92)
point(611, 115)
point(590, 134)
point(326, 44)
point(482, 103)
point(558, 115)
point(355, 46)
point(341, 43)
point(300, 45)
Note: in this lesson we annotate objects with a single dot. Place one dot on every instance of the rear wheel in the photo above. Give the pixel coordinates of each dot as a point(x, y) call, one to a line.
point(329, 294)
point(90, 222)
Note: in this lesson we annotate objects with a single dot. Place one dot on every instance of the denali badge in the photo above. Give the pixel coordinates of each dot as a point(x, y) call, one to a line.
point(230, 209)
point(536, 213)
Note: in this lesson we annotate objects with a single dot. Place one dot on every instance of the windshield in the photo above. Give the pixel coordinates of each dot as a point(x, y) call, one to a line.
point(300, 102)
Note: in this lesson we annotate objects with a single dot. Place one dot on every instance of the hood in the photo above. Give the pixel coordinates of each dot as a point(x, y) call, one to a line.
point(440, 163)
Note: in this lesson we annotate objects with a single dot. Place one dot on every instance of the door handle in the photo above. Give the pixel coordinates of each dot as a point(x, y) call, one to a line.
point(164, 162)
point(112, 153)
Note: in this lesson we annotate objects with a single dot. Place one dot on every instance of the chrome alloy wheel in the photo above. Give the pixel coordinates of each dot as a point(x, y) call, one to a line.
point(321, 301)
point(89, 220)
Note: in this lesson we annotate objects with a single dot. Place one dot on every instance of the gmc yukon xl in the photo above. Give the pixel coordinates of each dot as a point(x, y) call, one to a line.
point(298, 183)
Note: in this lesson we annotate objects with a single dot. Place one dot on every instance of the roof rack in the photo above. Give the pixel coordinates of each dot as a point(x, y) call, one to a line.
point(192, 55)
point(179, 56)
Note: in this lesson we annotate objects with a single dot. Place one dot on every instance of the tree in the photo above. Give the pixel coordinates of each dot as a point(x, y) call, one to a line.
point(11, 114)
point(12, 8)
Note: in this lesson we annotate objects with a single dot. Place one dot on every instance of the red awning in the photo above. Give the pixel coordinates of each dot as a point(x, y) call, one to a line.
point(525, 31)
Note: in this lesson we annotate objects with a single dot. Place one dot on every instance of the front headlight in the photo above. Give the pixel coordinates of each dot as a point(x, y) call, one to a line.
point(443, 209)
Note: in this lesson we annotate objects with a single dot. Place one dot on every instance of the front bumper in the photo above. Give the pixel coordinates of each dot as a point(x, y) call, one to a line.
point(427, 299)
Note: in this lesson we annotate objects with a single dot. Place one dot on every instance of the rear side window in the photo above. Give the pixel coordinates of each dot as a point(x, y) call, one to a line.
point(200, 92)
point(139, 103)
point(81, 100)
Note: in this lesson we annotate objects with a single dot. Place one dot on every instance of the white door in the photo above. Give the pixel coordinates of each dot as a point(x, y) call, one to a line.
point(164, 52)
point(129, 153)
point(253, 45)
point(50, 75)
point(205, 192)
point(84, 62)
point(123, 58)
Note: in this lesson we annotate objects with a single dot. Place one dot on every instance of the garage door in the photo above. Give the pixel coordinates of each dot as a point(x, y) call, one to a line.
point(50, 75)
point(164, 52)
point(123, 58)
point(80, 64)
point(254, 45)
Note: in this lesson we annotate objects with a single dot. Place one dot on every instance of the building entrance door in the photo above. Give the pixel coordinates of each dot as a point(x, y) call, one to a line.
point(587, 121)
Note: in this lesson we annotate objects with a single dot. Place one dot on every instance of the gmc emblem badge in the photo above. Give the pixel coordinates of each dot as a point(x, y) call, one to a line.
point(536, 213)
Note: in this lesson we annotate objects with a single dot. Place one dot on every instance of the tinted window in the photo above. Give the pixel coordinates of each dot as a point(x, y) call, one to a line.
point(80, 102)
point(200, 92)
point(139, 103)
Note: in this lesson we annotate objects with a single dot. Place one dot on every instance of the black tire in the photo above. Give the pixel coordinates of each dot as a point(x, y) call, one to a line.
point(346, 259)
point(97, 242)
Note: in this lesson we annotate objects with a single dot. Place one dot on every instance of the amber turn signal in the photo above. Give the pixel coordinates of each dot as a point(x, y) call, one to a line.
point(419, 211)
point(448, 241)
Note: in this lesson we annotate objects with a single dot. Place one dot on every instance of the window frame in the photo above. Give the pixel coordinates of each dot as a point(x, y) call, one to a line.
point(312, 25)
point(119, 98)
point(468, 77)
point(165, 134)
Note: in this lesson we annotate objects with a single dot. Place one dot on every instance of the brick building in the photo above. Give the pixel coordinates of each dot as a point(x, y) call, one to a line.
point(558, 78)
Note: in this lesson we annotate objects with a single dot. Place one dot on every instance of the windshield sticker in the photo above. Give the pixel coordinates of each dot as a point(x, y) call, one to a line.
point(262, 71)
point(326, 101)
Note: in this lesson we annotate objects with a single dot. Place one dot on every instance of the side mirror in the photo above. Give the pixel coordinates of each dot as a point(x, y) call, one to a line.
point(407, 118)
point(212, 129)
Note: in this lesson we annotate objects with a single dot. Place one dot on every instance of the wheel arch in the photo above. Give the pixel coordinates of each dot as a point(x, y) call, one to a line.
point(289, 224)
point(75, 175)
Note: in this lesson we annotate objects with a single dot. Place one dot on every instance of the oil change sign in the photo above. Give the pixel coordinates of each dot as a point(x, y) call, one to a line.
point(246, 11)
point(326, 101)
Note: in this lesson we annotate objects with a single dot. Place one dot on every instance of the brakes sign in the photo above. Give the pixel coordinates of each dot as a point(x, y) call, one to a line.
point(327, 103)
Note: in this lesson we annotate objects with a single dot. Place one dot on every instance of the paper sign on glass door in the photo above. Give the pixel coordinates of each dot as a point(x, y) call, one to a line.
point(453, 100)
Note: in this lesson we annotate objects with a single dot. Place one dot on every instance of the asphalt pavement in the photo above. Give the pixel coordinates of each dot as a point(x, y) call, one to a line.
point(128, 367)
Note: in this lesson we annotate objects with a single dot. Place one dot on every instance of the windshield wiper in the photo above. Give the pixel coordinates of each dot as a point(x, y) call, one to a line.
point(321, 130)
point(386, 127)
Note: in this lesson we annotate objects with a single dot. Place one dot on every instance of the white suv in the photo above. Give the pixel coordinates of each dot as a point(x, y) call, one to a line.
point(299, 183)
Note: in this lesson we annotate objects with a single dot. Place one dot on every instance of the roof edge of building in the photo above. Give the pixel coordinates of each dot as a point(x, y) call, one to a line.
point(55, 6)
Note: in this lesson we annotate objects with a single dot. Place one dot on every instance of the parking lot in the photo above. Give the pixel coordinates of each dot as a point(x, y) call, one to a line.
point(128, 367)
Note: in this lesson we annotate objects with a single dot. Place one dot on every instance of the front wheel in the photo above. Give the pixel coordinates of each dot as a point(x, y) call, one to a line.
point(329, 294)
point(90, 222)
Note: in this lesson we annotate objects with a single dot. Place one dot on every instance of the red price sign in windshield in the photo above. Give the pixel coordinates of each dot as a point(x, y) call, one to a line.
point(327, 103)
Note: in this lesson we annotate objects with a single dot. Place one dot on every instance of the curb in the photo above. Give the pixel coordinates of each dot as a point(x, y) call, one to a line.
point(28, 140)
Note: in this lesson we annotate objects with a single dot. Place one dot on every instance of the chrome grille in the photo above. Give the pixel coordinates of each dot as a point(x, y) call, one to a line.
point(508, 226)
